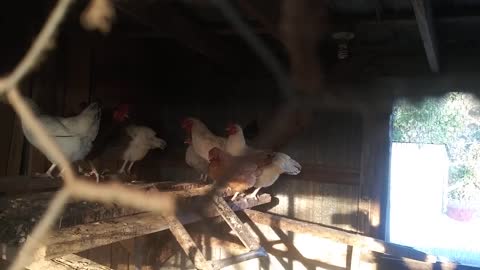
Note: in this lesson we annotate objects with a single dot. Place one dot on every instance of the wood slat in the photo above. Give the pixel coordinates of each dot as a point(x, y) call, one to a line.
point(336, 235)
point(67, 262)
point(86, 236)
point(16, 148)
point(375, 174)
point(383, 261)
point(334, 175)
point(423, 14)
point(17, 185)
point(119, 257)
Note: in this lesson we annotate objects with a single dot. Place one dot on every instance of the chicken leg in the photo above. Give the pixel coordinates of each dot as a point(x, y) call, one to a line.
point(129, 170)
point(253, 195)
point(122, 169)
point(203, 177)
point(235, 196)
point(48, 173)
point(93, 171)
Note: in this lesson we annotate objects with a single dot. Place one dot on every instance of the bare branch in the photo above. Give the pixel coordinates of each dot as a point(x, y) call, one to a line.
point(27, 254)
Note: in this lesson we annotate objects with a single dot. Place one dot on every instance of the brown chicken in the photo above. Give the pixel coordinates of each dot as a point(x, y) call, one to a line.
point(236, 174)
point(279, 163)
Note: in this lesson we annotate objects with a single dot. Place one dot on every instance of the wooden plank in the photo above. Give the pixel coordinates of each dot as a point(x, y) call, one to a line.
point(16, 148)
point(336, 235)
point(86, 236)
point(101, 255)
point(167, 20)
point(423, 14)
point(353, 258)
point(20, 214)
point(67, 262)
point(16, 185)
point(324, 174)
point(187, 243)
point(375, 174)
point(119, 257)
point(389, 262)
point(244, 234)
point(6, 118)
point(335, 205)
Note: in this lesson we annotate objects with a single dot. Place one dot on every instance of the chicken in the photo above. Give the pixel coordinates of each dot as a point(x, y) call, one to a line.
point(195, 161)
point(280, 163)
point(233, 173)
point(142, 139)
point(113, 122)
point(74, 135)
point(203, 140)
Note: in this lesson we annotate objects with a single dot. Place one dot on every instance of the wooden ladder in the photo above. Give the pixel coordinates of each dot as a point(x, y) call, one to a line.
point(244, 234)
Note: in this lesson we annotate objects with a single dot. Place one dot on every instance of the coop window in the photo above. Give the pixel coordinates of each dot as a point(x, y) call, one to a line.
point(435, 177)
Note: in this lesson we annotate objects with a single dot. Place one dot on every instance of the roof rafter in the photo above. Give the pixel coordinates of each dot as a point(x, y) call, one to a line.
point(423, 14)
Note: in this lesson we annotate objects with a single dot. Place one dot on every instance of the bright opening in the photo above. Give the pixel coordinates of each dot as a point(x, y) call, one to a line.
point(435, 177)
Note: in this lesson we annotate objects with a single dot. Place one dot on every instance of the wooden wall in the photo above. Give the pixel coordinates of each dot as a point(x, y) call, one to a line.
point(165, 83)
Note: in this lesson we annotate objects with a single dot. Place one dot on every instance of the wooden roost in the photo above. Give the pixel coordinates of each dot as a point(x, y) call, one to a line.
point(86, 225)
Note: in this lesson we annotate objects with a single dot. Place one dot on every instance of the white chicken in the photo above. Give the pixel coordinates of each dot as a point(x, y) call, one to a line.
point(195, 161)
point(281, 163)
point(203, 140)
point(142, 140)
point(74, 135)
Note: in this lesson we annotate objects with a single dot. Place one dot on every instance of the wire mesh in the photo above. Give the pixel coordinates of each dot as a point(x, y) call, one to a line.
point(98, 15)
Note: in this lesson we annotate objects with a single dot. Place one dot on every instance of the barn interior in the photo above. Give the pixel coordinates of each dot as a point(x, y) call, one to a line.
point(316, 80)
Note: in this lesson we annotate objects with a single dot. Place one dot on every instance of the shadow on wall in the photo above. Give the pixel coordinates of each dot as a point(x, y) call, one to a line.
point(346, 219)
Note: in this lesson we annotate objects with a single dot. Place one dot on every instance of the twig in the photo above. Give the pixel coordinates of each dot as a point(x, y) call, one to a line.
point(259, 47)
point(29, 119)
point(75, 187)
point(26, 255)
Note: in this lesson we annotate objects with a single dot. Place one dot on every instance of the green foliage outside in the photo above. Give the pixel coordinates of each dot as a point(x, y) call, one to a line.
point(452, 120)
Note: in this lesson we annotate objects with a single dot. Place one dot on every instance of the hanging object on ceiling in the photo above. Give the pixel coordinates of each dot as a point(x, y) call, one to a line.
point(343, 39)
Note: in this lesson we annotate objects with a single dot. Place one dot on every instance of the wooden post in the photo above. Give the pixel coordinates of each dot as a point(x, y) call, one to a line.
point(187, 243)
point(423, 14)
point(354, 255)
point(242, 231)
point(336, 235)
point(374, 174)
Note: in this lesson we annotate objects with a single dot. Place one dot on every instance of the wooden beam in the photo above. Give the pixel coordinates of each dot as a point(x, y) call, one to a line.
point(354, 258)
point(423, 14)
point(337, 235)
point(389, 262)
point(243, 232)
point(67, 262)
point(166, 19)
point(86, 236)
point(374, 174)
point(16, 185)
point(16, 148)
point(188, 245)
point(323, 174)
